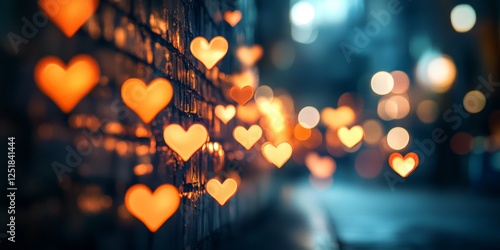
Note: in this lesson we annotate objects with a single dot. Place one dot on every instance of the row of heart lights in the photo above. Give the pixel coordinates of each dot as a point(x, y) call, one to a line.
point(67, 85)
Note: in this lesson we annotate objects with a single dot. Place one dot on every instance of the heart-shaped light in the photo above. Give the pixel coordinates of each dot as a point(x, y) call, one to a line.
point(147, 101)
point(277, 155)
point(403, 166)
point(350, 137)
point(244, 78)
point(67, 85)
point(225, 114)
point(222, 192)
point(336, 118)
point(153, 209)
point(247, 138)
point(185, 143)
point(232, 17)
point(241, 96)
point(320, 167)
point(209, 53)
point(70, 15)
point(249, 55)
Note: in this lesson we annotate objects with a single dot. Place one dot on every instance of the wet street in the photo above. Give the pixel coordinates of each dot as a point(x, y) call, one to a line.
point(352, 217)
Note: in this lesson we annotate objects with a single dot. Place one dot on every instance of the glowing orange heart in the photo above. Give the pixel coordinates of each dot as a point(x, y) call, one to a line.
point(232, 17)
point(277, 155)
point(69, 16)
point(350, 137)
point(185, 143)
point(249, 55)
point(147, 101)
point(209, 53)
point(247, 138)
point(403, 166)
point(222, 192)
point(335, 118)
point(67, 85)
point(320, 167)
point(225, 114)
point(153, 209)
point(241, 96)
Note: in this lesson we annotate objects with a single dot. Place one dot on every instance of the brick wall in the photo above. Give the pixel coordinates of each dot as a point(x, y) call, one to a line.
point(144, 39)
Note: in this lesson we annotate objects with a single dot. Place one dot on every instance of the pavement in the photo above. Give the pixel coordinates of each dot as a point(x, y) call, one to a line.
point(349, 216)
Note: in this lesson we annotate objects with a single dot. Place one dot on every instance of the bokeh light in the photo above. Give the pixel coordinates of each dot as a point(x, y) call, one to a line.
point(248, 113)
point(381, 110)
point(474, 101)
point(441, 73)
point(382, 83)
point(369, 163)
point(463, 18)
point(335, 118)
point(143, 169)
point(309, 117)
point(479, 144)
point(373, 132)
point(427, 111)
point(314, 140)
point(333, 11)
point(300, 133)
point(302, 13)
point(461, 143)
point(352, 100)
point(397, 107)
point(263, 94)
point(398, 138)
point(401, 82)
